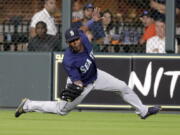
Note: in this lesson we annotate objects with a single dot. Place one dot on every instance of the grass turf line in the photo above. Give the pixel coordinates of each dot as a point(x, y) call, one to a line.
point(88, 123)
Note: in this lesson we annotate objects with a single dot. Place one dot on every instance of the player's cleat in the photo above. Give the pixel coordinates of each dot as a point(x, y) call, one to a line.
point(19, 109)
point(152, 111)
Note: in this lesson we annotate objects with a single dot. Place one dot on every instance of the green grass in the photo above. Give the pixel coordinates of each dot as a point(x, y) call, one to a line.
point(88, 123)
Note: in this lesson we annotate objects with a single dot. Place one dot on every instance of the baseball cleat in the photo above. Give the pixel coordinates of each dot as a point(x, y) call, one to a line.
point(19, 109)
point(152, 111)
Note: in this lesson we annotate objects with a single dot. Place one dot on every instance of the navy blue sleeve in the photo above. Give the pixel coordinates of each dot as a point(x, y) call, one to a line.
point(83, 36)
point(76, 25)
point(97, 30)
point(72, 72)
point(85, 41)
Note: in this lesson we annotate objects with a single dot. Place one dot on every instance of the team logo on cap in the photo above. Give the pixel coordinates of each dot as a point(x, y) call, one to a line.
point(72, 33)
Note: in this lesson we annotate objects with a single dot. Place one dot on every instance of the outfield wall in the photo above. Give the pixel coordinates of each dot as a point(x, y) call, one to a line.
point(154, 78)
point(40, 76)
point(25, 75)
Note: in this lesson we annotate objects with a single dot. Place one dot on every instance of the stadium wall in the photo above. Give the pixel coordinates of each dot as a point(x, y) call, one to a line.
point(24, 75)
point(155, 78)
point(40, 76)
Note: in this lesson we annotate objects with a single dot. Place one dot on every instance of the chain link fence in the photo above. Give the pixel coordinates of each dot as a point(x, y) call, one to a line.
point(18, 30)
point(127, 26)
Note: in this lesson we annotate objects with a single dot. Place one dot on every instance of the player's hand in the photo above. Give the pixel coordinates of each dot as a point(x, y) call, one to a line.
point(71, 92)
point(156, 50)
point(96, 14)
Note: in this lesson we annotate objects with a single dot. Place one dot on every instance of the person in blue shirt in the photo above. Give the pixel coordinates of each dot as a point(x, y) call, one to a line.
point(83, 74)
point(96, 28)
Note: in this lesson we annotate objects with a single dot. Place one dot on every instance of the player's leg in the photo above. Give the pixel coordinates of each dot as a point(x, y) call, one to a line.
point(107, 82)
point(43, 106)
point(57, 107)
point(71, 105)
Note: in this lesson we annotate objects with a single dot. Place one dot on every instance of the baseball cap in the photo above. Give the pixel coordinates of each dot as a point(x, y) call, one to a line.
point(160, 1)
point(89, 5)
point(160, 17)
point(149, 13)
point(72, 34)
point(145, 13)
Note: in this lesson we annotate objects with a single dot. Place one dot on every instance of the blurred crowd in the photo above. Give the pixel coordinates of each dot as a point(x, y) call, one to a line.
point(116, 31)
point(110, 31)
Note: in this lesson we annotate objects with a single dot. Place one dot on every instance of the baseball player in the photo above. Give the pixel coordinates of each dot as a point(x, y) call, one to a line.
point(83, 77)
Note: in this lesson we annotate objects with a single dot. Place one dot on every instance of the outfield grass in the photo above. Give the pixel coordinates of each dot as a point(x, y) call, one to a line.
point(88, 123)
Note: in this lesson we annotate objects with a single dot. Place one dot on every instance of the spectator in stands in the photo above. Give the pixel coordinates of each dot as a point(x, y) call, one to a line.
point(43, 41)
point(110, 30)
point(45, 15)
point(96, 28)
point(108, 26)
point(148, 21)
point(77, 13)
point(156, 44)
point(160, 5)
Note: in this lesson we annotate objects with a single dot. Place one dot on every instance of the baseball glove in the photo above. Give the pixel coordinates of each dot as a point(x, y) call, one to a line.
point(71, 92)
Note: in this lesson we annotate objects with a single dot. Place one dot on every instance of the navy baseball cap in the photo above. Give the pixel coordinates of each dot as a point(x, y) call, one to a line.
point(146, 13)
point(160, 17)
point(149, 13)
point(89, 6)
point(160, 1)
point(72, 34)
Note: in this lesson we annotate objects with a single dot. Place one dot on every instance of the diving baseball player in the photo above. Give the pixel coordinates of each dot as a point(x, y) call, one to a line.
point(83, 77)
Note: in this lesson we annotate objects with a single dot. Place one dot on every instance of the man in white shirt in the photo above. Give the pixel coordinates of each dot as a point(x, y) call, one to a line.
point(77, 13)
point(45, 15)
point(156, 44)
